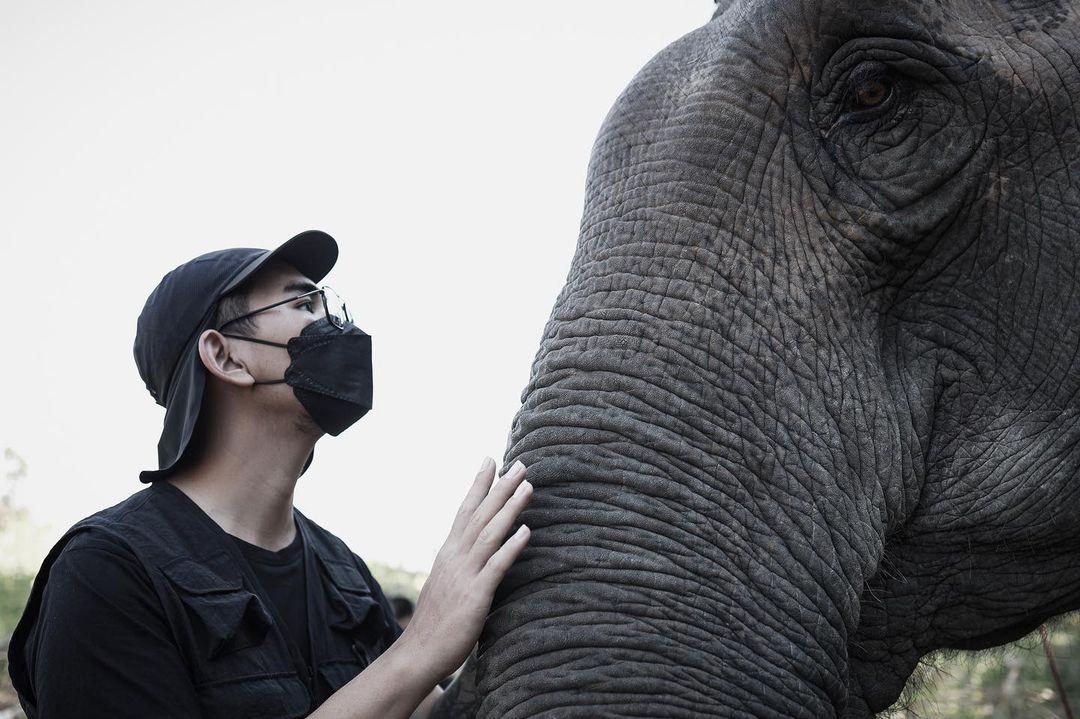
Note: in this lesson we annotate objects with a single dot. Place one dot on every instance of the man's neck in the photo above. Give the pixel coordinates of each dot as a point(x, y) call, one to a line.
point(245, 484)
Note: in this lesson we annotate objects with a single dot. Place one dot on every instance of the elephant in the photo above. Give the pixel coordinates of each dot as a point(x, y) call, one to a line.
point(807, 408)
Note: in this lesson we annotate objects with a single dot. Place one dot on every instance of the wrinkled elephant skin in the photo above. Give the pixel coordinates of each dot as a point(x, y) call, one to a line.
point(807, 408)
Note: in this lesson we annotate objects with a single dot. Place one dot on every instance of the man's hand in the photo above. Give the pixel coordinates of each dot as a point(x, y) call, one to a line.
point(458, 593)
point(452, 607)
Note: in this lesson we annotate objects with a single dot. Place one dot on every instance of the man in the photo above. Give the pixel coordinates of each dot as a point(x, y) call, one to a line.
point(208, 594)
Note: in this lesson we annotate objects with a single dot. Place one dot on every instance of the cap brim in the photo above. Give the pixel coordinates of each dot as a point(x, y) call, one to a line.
point(313, 254)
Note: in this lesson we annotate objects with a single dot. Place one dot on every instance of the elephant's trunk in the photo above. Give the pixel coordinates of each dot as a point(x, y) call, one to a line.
point(701, 533)
point(627, 610)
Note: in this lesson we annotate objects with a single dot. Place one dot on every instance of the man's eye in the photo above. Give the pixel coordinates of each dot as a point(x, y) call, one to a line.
point(307, 306)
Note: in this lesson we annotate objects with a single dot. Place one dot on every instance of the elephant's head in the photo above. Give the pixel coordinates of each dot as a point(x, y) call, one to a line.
point(808, 406)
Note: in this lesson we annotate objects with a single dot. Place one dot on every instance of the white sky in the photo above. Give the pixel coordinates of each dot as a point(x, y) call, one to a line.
point(444, 145)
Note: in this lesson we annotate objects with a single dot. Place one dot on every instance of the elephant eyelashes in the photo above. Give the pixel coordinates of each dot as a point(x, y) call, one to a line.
point(872, 88)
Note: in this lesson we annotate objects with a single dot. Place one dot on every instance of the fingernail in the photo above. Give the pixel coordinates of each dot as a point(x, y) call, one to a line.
point(516, 469)
point(522, 488)
point(486, 463)
point(522, 531)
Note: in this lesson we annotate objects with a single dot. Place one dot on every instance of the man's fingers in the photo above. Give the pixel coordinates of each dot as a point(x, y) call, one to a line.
point(494, 533)
point(496, 567)
point(479, 489)
point(494, 501)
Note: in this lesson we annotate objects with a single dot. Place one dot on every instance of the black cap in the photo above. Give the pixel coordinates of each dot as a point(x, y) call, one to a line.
point(181, 308)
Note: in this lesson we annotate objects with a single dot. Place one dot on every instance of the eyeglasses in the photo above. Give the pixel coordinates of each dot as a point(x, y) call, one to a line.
point(333, 305)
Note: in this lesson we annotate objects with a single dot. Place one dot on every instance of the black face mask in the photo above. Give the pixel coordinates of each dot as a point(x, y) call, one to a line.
point(330, 373)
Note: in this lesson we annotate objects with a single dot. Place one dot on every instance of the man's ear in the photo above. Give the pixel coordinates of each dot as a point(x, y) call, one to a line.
point(217, 356)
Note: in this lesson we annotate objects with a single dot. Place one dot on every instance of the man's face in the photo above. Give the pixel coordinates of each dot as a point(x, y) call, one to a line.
point(273, 283)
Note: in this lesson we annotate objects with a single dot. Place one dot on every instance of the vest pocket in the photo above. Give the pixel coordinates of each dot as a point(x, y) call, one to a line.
point(354, 611)
point(224, 616)
point(223, 627)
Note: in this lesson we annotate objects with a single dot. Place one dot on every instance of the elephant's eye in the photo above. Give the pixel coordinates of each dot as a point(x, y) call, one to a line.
point(870, 94)
point(870, 90)
point(865, 91)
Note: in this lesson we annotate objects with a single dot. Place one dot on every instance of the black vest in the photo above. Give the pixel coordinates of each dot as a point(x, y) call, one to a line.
point(241, 662)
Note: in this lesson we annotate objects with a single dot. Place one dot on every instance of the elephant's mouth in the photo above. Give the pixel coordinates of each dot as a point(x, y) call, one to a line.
point(999, 635)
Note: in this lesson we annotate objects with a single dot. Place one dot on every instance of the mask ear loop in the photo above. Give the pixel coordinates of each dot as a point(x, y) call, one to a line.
point(256, 340)
point(261, 342)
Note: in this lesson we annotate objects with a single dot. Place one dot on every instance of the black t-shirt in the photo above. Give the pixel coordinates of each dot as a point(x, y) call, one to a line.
point(281, 574)
point(102, 647)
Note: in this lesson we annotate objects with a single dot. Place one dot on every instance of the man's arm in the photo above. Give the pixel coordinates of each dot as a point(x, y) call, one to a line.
point(452, 608)
point(101, 646)
point(424, 711)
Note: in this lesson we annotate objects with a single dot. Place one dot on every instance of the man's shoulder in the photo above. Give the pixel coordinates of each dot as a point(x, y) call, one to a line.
point(93, 573)
point(111, 543)
point(97, 535)
point(94, 540)
point(132, 503)
point(93, 553)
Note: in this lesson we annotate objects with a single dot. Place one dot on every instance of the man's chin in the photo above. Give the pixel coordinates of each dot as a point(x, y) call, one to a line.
point(308, 428)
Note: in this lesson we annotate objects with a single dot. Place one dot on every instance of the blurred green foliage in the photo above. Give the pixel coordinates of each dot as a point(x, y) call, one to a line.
point(14, 589)
point(1010, 682)
point(398, 582)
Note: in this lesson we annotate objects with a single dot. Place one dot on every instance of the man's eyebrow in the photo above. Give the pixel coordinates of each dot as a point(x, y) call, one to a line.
point(300, 287)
